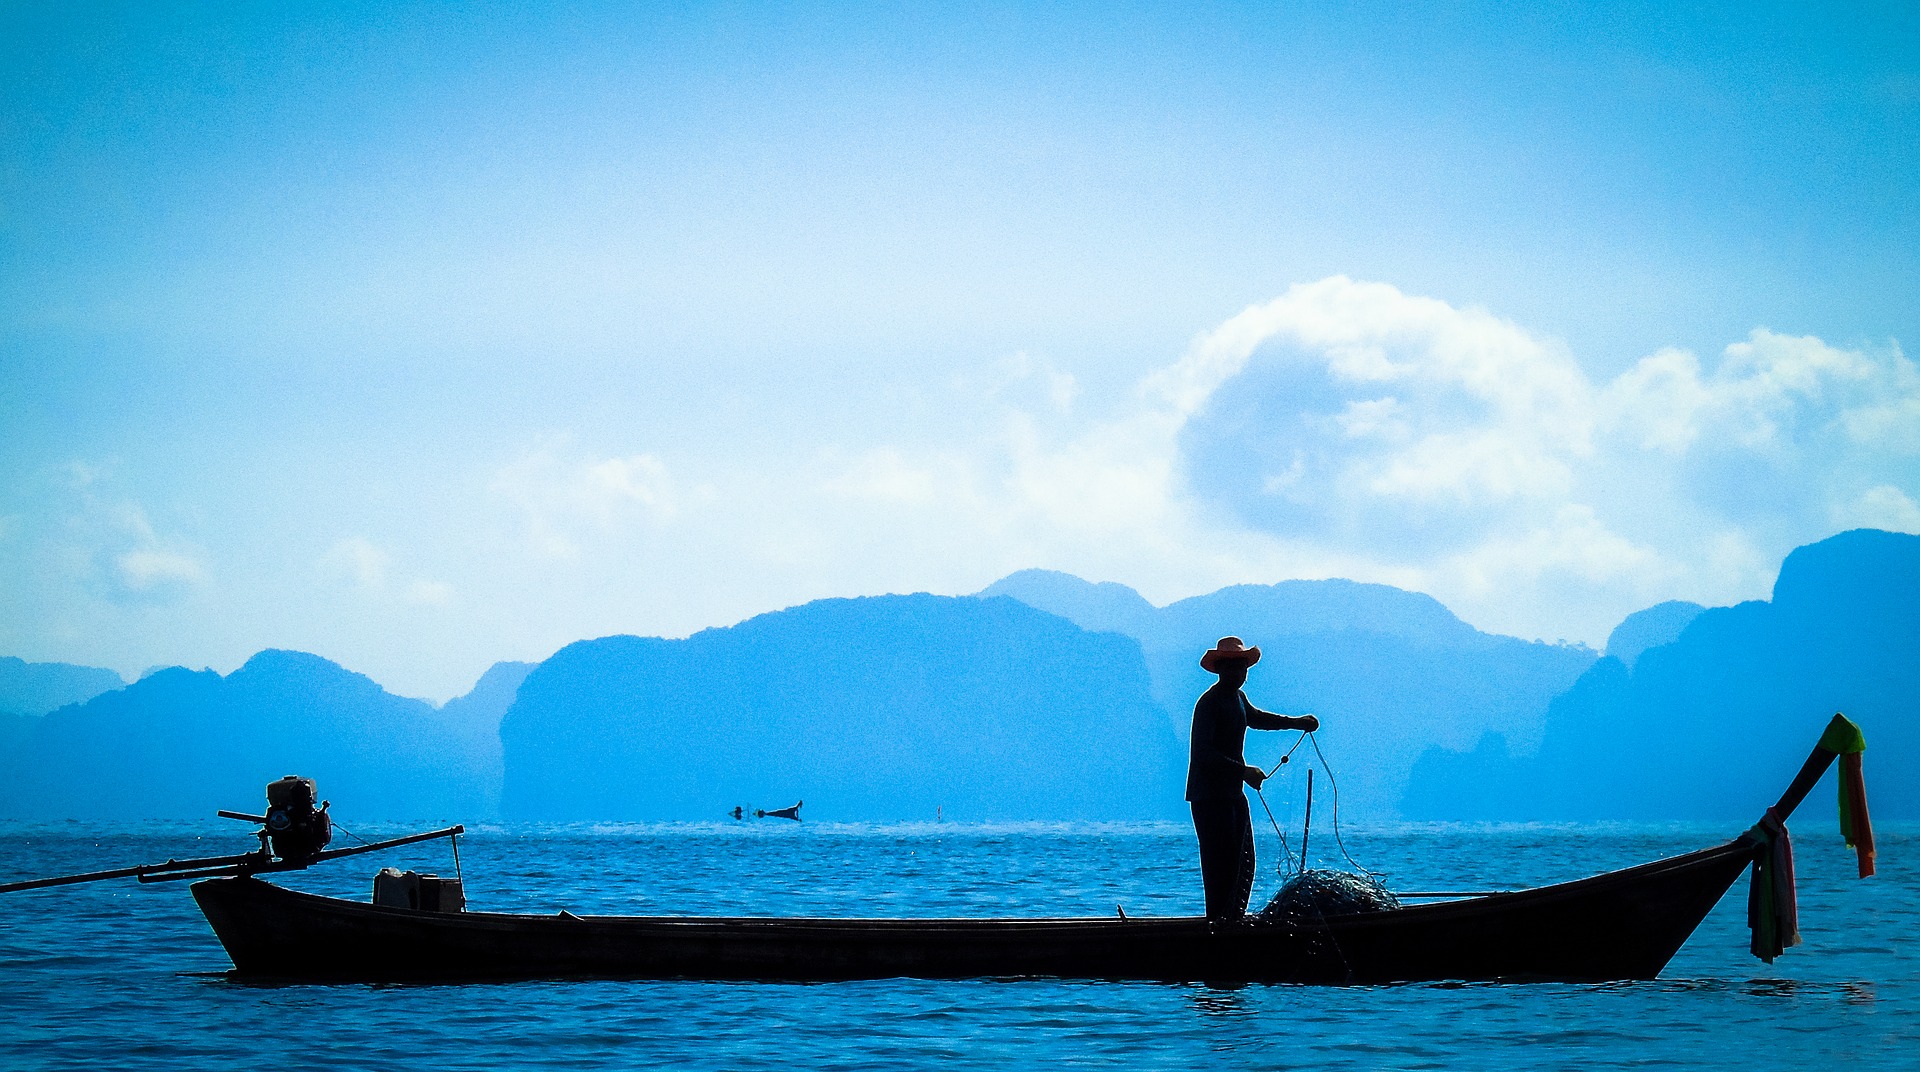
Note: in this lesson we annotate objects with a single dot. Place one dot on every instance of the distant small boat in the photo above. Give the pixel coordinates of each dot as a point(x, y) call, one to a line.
point(781, 813)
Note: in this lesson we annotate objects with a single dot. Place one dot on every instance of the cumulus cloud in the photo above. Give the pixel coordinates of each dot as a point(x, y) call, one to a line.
point(150, 571)
point(564, 496)
point(366, 567)
point(1347, 428)
point(359, 562)
point(1883, 507)
point(127, 559)
point(1343, 429)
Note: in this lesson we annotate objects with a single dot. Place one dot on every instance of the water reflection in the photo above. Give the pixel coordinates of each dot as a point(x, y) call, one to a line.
point(1226, 1001)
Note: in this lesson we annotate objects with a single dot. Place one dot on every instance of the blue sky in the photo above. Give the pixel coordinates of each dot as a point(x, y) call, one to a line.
point(423, 336)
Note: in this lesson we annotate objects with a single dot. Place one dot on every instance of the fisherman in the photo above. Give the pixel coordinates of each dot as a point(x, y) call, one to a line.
point(1216, 770)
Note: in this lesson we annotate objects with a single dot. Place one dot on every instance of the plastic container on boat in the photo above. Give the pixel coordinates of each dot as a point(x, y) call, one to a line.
point(394, 888)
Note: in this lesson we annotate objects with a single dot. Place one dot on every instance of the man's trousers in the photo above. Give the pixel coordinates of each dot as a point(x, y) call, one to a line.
point(1225, 828)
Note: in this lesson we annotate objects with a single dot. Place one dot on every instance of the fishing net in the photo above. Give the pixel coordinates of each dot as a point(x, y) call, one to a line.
point(1311, 896)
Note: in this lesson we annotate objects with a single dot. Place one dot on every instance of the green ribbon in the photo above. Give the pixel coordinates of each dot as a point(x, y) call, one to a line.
point(1843, 738)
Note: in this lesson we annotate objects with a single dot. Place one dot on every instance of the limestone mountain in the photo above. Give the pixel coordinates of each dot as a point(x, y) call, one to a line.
point(1713, 724)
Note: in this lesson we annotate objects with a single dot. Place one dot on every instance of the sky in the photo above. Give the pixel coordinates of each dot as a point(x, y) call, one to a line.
point(424, 336)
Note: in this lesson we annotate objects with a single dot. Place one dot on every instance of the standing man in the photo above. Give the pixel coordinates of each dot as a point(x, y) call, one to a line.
point(1216, 770)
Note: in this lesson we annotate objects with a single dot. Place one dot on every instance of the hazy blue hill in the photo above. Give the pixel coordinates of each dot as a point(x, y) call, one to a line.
point(474, 720)
point(1714, 724)
point(1294, 608)
point(878, 708)
point(182, 743)
point(15, 731)
point(1390, 672)
point(1658, 625)
point(36, 688)
point(1105, 607)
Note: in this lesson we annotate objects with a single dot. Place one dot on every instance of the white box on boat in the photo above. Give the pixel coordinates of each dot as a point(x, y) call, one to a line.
point(411, 889)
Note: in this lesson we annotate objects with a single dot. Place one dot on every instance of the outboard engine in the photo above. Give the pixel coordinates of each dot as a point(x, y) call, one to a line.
point(297, 829)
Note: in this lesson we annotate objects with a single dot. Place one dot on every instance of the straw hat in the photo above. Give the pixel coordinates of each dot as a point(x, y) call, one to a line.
point(1229, 649)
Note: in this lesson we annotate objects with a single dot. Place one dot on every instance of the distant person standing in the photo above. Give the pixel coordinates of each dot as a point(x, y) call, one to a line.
point(1216, 770)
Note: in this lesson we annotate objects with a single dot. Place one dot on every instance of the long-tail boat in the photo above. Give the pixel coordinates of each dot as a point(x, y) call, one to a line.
point(1624, 924)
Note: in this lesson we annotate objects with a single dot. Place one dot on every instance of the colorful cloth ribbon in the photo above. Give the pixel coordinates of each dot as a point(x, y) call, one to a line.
point(1845, 740)
point(1773, 912)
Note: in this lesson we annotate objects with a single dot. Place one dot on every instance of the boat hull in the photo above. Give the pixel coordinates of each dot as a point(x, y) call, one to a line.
point(1621, 925)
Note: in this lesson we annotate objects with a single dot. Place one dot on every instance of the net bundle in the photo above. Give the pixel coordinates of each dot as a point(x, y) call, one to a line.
point(1311, 896)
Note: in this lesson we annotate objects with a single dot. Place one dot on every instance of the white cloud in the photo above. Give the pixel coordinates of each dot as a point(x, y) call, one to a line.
point(359, 562)
point(148, 571)
point(564, 497)
point(1346, 428)
point(885, 475)
point(367, 568)
point(1769, 392)
point(1883, 507)
point(1023, 370)
point(428, 593)
point(114, 544)
point(1343, 429)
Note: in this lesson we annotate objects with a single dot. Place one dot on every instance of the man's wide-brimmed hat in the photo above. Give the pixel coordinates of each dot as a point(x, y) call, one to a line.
point(1228, 650)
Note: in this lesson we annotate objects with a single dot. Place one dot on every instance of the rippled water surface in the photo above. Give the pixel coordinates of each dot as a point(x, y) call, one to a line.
point(120, 975)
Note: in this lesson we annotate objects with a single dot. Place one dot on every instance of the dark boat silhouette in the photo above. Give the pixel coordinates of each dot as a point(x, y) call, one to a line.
point(1624, 924)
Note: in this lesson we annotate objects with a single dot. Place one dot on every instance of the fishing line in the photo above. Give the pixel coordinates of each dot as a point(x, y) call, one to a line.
point(349, 833)
point(1298, 741)
point(1286, 852)
point(1336, 809)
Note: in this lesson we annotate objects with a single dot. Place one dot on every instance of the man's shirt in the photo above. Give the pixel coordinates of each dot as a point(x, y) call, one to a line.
point(1215, 765)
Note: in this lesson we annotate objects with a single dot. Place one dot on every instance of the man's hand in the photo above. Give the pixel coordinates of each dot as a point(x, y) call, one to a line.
point(1306, 722)
point(1253, 776)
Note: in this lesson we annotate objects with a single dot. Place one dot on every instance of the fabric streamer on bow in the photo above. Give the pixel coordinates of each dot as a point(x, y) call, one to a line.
point(1845, 740)
point(1772, 910)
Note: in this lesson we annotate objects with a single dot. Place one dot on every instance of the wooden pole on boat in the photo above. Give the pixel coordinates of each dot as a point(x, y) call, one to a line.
point(219, 869)
point(1803, 783)
point(210, 866)
point(1307, 827)
point(140, 872)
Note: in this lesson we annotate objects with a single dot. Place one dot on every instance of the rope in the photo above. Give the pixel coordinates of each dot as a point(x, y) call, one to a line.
point(349, 833)
point(1286, 852)
point(1298, 741)
point(1336, 810)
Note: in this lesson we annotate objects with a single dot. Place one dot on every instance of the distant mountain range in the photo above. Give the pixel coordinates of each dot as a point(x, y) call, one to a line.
point(1390, 673)
point(890, 707)
point(30, 690)
point(1714, 722)
point(36, 688)
point(184, 743)
point(1045, 696)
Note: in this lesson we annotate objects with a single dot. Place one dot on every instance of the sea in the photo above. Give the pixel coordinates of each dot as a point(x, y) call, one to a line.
point(119, 975)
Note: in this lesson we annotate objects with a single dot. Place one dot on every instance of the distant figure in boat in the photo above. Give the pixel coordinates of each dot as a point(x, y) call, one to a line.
point(1216, 771)
point(782, 813)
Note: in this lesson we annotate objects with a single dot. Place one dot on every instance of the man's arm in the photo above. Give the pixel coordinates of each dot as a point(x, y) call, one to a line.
point(1267, 720)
